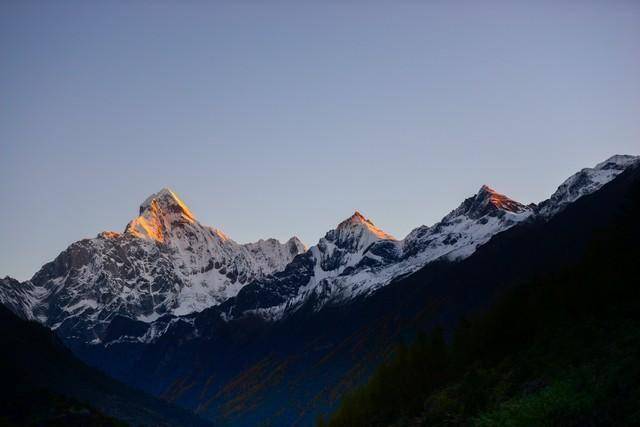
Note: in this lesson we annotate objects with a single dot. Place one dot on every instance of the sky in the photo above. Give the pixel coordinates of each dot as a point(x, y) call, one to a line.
point(273, 119)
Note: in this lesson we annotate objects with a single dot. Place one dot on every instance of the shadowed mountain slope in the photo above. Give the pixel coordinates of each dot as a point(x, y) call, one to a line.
point(42, 376)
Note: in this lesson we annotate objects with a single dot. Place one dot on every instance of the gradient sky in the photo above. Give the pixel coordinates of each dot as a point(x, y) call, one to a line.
point(275, 119)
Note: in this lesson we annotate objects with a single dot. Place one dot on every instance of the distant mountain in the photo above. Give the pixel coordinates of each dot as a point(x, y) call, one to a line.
point(165, 262)
point(45, 384)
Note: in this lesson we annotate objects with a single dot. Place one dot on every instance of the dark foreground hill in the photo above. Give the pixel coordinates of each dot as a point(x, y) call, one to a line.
point(45, 384)
point(562, 348)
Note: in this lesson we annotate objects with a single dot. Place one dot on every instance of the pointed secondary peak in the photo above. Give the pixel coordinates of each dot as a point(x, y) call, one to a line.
point(355, 233)
point(357, 220)
point(487, 201)
point(486, 189)
point(295, 242)
point(487, 193)
point(488, 196)
point(357, 217)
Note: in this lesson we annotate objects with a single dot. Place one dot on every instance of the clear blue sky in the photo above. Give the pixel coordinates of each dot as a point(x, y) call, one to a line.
point(275, 119)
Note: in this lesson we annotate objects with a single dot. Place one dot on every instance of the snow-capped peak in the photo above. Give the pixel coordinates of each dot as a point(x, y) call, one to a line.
point(297, 245)
point(158, 214)
point(167, 201)
point(357, 217)
point(487, 201)
point(357, 232)
point(499, 201)
point(166, 262)
point(357, 220)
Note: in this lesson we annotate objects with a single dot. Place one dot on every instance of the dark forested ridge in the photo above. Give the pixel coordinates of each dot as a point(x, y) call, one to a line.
point(561, 348)
point(44, 384)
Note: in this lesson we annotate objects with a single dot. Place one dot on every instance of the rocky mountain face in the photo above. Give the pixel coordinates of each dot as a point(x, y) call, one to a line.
point(18, 297)
point(165, 262)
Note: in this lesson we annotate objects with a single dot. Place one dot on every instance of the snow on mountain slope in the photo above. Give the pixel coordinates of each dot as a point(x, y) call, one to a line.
point(473, 223)
point(586, 182)
point(339, 252)
point(329, 273)
point(456, 236)
point(165, 262)
point(346, 245)
point(18, 297)
point(357, 257)
point(215, 266)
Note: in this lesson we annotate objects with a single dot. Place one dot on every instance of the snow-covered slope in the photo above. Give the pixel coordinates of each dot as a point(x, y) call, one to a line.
point(586, 182)
point(357, 257)
point(213, 266)
point(335, 271)
point(18, 297)
point(473, 223)
point(165, 262)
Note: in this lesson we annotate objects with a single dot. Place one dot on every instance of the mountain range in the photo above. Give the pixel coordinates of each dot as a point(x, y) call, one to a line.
point(275, 331)
point(165, 262)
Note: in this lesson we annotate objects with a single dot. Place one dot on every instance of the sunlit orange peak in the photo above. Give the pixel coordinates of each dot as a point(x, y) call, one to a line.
point(358, 218)
point(500, 200)
point(157, 213)
point(166, 199)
